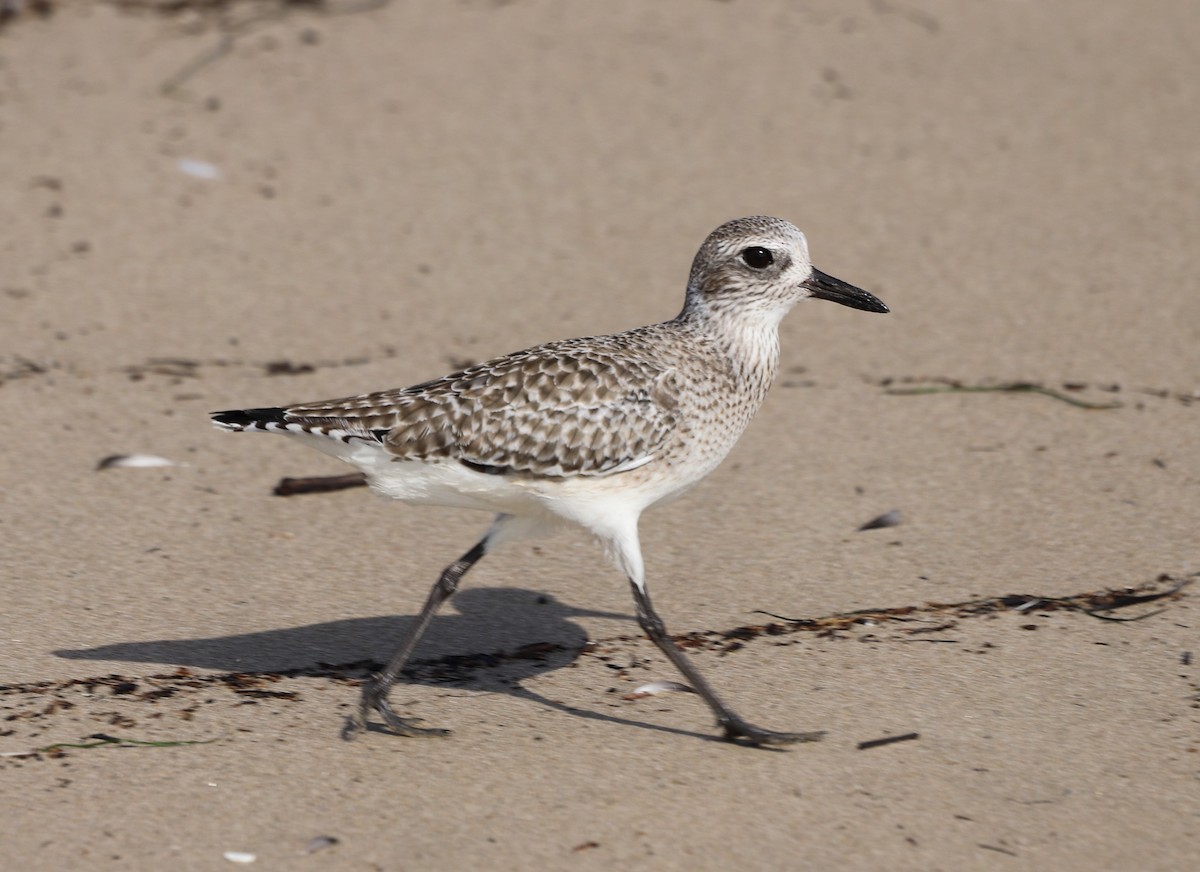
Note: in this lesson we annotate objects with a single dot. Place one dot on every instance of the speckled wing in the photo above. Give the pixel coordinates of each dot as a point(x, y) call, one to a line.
point(569, 408)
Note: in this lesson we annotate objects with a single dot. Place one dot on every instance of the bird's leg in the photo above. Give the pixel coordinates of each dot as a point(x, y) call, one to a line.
point(727, 718)
point(376, 687)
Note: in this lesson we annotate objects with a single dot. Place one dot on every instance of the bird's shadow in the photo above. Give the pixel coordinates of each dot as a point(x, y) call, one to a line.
point(475, 623)
point(498, 638)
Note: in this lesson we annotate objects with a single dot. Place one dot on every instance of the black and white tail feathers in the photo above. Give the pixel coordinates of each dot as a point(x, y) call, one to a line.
point(250, 419)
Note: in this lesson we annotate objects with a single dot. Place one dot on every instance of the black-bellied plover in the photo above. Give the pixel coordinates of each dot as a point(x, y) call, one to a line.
point(584, 432)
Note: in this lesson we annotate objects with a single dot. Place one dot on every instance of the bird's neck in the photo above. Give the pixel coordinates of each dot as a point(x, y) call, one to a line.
point(746, 337)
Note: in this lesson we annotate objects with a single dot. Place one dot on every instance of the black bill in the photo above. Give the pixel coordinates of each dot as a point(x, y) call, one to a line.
point(826, 287)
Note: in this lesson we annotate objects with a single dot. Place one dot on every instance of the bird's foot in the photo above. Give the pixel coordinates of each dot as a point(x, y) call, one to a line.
point(737, 730)
point(374, 698)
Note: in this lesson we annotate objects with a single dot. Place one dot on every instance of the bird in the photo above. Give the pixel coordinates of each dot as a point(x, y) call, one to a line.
point(581, 433)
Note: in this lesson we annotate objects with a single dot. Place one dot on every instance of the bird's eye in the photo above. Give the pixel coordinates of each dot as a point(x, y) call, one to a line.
point(757, 257)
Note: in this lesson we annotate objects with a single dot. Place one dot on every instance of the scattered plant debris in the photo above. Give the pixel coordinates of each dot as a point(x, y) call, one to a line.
point(185, 692)
point(1090, 603)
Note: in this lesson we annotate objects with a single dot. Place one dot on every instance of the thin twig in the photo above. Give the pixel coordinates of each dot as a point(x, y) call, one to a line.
point(103, 739)
point(1096, 614)
point(1007, 387)
point(318, 484)
point(887, 740)
point(231, 30)
point(1092, 602)
point(229, 33)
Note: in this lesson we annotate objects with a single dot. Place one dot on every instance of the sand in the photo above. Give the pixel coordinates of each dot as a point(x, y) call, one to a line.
point(335, 203)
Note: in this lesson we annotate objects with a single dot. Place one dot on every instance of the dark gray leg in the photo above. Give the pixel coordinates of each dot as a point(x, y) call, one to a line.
point(375, 689)
point(727, 718)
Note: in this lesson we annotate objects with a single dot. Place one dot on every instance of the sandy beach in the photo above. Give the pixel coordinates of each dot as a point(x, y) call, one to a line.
point(249, 204)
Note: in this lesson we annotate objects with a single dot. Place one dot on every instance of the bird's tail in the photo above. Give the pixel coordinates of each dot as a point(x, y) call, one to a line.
point(236, 420)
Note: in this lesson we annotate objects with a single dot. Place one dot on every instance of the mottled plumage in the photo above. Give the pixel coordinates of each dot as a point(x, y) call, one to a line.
point(577, 407)
point(587, 432)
